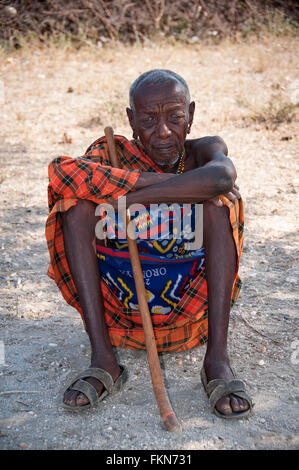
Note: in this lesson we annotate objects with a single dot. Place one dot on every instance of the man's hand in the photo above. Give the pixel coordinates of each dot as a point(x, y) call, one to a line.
point(232, 196)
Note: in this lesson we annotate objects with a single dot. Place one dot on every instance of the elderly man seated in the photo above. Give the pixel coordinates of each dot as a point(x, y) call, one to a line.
point(189, 303)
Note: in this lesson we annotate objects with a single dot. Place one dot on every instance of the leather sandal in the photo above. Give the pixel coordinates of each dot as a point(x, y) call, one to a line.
point(80, 385)
point(219, 388)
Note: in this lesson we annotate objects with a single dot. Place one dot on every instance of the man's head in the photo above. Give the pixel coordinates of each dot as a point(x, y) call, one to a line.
point(161, 114)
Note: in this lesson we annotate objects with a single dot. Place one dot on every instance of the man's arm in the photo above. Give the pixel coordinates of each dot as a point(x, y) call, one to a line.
point(212, 151)
point(197, 185)
point(214, 176)
point(84, 179)
point(206, 150)
point(148, 179)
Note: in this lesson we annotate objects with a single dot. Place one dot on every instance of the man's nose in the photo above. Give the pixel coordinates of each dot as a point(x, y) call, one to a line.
point(163, 130)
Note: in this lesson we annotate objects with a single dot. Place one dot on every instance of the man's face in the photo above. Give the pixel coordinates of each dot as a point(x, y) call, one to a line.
point(160, 119)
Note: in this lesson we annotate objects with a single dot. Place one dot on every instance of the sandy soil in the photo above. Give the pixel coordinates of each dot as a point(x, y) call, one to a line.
point(56, 102)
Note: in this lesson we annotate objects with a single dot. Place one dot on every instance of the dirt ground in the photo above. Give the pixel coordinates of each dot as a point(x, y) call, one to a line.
point(56, 102)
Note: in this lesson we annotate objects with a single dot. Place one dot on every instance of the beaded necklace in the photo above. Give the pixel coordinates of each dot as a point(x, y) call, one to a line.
point(181, 163)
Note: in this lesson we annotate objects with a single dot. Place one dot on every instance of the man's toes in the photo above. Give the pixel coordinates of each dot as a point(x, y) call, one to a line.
point(243, 404)
point(237, 404)
point(223, 406)
point(73, 398)
point(70, 397)
point(82, 399)
point(231, 404)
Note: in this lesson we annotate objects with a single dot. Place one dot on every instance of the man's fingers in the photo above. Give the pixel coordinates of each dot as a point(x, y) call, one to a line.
point(231, 196)
point(216, 201)
point(236, 192)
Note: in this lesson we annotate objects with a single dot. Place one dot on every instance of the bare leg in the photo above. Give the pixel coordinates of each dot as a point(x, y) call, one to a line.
point(79, 235)
point(220, 256)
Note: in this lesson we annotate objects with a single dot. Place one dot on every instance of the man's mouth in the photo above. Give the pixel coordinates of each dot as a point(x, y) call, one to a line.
point(164, 148)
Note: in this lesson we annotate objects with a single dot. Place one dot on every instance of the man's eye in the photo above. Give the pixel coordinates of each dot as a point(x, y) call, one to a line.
point(176, 116)
point(148, 120)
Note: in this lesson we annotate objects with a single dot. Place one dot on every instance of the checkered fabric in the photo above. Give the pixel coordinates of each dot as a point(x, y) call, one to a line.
point(92, 177)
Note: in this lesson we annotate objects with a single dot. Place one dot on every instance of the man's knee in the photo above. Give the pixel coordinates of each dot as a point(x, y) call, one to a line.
point(80, 217)
point(216, 220)
point(83, 208)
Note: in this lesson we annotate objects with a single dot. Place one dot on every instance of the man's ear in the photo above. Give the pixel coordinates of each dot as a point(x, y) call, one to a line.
point(191, 114)
point(130, 115)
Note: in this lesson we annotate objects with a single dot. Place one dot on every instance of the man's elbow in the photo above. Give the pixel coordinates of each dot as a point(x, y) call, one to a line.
point(53, 168)
point(54, 164)
point(225, 180)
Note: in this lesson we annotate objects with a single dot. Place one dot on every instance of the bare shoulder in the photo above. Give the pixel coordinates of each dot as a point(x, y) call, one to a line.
point(206, 148)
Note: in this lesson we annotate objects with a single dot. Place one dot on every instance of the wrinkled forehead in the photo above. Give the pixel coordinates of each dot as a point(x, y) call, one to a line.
point(170, 92)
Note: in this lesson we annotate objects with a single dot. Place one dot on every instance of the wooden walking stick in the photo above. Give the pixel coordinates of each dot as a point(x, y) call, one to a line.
point(167, 414)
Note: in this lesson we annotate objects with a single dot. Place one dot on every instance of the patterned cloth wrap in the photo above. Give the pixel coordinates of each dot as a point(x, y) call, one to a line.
point(92, 178)
point(169, 268)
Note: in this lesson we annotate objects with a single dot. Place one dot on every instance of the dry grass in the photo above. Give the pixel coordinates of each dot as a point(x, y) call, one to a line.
point(229, 83)
point(278, 110)
point(275, 112)
point(87, 22)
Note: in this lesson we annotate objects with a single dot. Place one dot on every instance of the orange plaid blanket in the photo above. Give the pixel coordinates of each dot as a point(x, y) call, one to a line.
point(92, 177)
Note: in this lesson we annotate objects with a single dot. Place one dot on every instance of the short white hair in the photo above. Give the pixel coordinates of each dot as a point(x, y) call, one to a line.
point(154, 77)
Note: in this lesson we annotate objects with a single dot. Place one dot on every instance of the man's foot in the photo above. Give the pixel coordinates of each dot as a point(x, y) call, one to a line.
point(75, 398)
point(220, 369)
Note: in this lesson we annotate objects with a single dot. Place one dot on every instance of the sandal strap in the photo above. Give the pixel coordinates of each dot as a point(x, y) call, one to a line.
point(80, 385)
point(100, 374)
point(213, 384)
point(88, 390)
point(121, 380)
